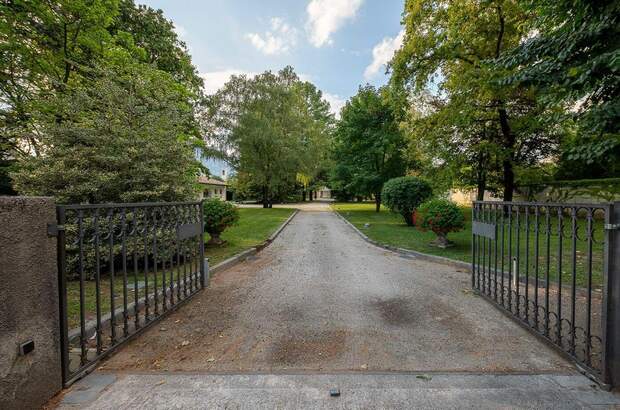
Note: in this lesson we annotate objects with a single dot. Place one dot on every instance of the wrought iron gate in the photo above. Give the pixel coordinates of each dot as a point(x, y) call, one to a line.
point(121, 268)
point(548, 266)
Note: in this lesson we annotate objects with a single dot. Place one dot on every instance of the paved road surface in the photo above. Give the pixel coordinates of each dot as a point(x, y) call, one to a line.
point(319, 299)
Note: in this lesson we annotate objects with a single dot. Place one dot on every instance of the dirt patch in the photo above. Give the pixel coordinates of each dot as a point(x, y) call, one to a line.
point(309, 348)
point(395, 311)
point(197, 332)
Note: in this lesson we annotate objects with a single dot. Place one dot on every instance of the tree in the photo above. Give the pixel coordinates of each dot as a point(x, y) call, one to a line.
point(273, 127)
point(404, 194)
point(449, 48)
point(123, 138)
point(56, 51)
point(316, 138)
point(157, 42)
point(369, 146)
point(573, 56)
point(47, 46)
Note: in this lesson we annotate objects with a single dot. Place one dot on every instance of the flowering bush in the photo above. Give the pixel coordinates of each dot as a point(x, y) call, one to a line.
point(440, 216)
point(218, 215)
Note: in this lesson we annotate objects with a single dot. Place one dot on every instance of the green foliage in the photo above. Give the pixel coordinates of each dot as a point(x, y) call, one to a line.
point(96, 101)
point(219, 215)
point(574, 58)
point(466, 127)
point(404, 194)
point(440, 216)
point(274, 126)
point(155, 36)
point(121, 139)
point(368, 144)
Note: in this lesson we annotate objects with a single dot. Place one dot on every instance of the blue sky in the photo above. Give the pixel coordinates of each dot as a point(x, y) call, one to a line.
point(335, 44)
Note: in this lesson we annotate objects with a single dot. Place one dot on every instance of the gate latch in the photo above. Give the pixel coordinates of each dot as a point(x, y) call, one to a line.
point(53, 229)
point(612, 227)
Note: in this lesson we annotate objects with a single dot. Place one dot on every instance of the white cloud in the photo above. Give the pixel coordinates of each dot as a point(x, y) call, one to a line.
point(214, 80)
point(336, 103)
point(382, 53)
point(280, 39)
point(325, 17)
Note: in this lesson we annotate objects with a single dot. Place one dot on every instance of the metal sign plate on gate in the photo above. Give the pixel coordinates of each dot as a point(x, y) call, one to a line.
point(484, 229)
point(188, 231)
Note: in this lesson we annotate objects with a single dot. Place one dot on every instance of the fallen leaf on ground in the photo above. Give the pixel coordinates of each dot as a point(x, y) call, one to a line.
point(210, 359)
point(185, 343)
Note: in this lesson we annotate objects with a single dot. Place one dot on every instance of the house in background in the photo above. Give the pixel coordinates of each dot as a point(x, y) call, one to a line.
point(212, 188)
point(214, 185)
point(323, 193)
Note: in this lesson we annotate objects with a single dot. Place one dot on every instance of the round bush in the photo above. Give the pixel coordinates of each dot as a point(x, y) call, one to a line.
point(440, 216)
point(403, 195)
point(218, 215)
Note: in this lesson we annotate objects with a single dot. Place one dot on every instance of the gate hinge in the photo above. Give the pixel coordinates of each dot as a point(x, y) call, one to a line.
point(53, 229)
point(612, 227)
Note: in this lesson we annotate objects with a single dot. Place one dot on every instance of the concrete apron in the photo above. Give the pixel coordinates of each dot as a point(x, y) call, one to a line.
point(312, 391)
point(533, 376)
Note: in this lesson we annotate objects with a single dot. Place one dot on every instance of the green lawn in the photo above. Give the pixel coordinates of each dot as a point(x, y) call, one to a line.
point(254, 227)
point(389, 228)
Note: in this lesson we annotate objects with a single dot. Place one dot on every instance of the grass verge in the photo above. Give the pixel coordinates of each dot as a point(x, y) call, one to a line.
point(389, 228)
point(254, 227)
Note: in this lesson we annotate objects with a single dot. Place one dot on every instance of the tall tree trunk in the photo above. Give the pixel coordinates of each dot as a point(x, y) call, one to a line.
point(265, 197)
point(481, 178)
point(480, 190)
point(507, 163)
point(303, 196)
point(509, 138)
point(377, 201)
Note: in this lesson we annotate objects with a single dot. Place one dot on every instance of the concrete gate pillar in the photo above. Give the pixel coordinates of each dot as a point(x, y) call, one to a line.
point(30, 367)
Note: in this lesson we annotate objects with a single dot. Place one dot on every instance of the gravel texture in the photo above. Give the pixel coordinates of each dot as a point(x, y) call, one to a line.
point(320, 298)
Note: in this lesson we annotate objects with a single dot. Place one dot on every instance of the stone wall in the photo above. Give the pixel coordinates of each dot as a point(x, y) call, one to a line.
point(28, 303)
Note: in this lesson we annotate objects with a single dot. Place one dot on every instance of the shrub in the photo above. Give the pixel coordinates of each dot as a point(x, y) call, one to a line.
point(440, 216)
point(403, 195)
point(218, 215)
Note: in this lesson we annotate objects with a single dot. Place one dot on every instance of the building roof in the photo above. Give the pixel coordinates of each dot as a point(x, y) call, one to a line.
point(211, 181)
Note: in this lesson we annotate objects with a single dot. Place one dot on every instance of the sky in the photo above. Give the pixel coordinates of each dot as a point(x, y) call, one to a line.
point(336, 44)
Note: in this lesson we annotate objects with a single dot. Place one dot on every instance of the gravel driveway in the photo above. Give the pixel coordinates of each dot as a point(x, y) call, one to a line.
point(319, 298)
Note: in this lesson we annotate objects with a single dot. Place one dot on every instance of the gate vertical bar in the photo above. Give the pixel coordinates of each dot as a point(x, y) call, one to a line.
point(473, 247)
point(611, 299)
point(204, 281)
point(62, 299)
